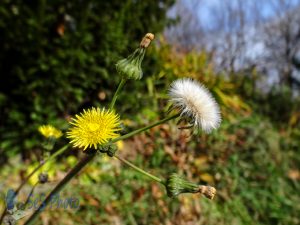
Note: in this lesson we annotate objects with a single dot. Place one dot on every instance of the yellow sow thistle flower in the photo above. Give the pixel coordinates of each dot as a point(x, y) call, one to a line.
point(93, 127)
point(49, 131)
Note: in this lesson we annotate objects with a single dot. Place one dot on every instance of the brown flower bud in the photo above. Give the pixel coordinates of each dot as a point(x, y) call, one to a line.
point(207, 191)
point(146, 40)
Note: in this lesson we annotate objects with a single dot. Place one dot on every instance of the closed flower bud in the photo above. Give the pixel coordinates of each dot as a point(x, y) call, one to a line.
point(207, 191)
point(131, 67)
point(109, 149)
point(43, 178)
point(176, 185)
point(146, 40)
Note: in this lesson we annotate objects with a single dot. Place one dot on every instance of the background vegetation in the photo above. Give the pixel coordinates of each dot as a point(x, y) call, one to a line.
point(57, 58)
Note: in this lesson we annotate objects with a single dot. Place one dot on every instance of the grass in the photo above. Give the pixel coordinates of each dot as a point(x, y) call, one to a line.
point(250, 162)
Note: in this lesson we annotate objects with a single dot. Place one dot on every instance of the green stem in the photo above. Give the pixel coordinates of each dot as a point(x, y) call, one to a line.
point(30, 194)
point(57, 153)
point(113, 101)
point(139, 169)
point(144, 128)
point(83, 162)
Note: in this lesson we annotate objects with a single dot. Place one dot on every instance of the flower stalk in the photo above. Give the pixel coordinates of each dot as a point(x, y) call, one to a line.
point(144, 128)
point(151, 176)
point(30, 194)
point(174, 184)
point(116, 95)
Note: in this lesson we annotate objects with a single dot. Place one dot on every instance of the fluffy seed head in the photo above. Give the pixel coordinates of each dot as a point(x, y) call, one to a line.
point(195, 103)
point(92, 127)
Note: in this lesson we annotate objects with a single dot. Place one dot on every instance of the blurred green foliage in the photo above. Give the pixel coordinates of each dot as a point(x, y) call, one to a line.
point(56, 56)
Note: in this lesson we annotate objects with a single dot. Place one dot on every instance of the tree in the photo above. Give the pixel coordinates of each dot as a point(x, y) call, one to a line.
point(281, 38)
point(57, 55)
point(263, 35)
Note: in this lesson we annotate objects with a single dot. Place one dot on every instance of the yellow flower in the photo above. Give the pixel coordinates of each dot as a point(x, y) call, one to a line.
point(93, 127)
point(120, 145)
point(50, 131)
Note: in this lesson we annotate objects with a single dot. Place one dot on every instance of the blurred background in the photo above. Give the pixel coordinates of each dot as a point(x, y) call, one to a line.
point(58, 57)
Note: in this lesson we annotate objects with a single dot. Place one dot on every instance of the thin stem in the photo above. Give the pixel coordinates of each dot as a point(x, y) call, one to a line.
point(113, 101)
point(144, 128)
point(83, 162)
point(139, 169)
point(57, 153)
point(30, 194)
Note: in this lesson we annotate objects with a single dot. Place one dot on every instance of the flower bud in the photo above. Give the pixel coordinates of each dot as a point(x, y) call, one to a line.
point(146, 40)
point(43, 178)
point(176, 185)
point(207, 191)
point(109, 149)
point(131, 67)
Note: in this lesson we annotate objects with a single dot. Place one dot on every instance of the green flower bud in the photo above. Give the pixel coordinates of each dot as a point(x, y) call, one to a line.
point(131, 67)
point(109, 149)
point(176, 185)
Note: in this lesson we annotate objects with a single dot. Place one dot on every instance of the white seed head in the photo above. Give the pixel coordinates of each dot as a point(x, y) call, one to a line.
point(196, 103)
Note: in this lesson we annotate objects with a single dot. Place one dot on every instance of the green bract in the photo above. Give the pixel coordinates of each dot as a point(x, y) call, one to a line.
point(130, 68)
point(176, 185)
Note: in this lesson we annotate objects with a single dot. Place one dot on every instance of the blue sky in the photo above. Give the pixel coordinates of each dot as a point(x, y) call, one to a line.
point(266, 7)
